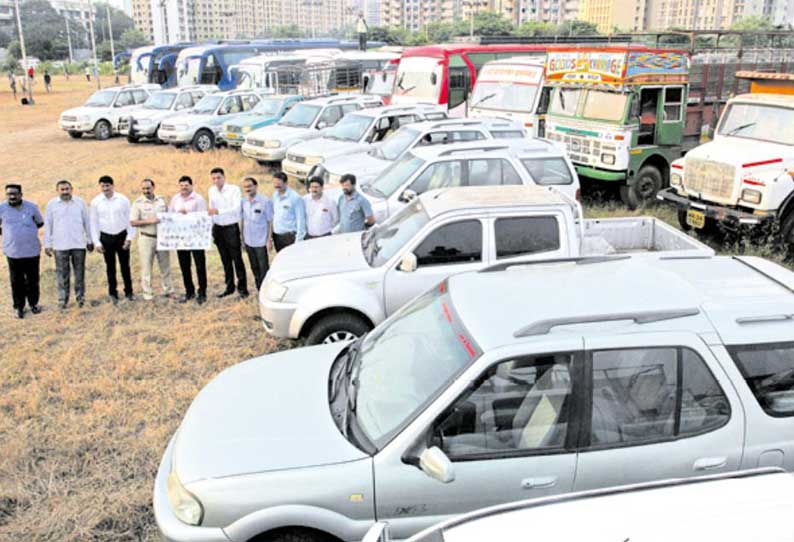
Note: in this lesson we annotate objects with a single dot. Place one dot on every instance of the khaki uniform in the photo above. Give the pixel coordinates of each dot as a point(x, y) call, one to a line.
point(144, 209)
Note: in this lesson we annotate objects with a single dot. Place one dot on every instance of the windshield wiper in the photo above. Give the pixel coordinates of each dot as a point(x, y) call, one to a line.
point(407, 90)
point(484, 98)
point(372, 189)
point(562, 99)
point(740, 128)
point(352, 352)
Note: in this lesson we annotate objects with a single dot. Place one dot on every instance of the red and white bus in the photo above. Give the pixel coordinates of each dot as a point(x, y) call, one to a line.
point(445, 74)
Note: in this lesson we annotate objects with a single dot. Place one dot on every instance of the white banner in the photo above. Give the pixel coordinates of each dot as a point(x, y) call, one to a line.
point(177, 231)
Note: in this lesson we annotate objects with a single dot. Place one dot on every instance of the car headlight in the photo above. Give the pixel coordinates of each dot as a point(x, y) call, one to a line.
point(751, 196)
point(273, 143)
point(676, 179)
point(275, 291)
point(186, 507)
point(246, 129)
point(608, 158)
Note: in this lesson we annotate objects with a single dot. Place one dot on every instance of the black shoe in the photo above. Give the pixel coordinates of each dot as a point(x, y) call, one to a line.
point(225, 293)
point(79, 304)
point(130, 297)
point(114, 299)
point(244, 294)
point(35, 309)
point(185, 298)
point(20, 313)
point(65, 304)
point(201, 299)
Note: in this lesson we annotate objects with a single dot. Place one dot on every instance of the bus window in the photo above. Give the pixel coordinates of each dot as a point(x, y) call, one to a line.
point(458, 86)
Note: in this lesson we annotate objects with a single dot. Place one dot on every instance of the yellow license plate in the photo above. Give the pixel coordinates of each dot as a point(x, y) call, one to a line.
point(696, 219)
point(230, 135)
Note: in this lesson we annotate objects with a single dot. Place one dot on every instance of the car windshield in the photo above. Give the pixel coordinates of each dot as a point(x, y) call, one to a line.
point(419, 77)
point(268, 107)
point(385, 240)
point(396, 144)
point(396, 175)
point(301, 116)
point(600, 105)
point(406, 361)
point(564, 101)
point(160, 100)
point(759, 122)
point(207, 105)
point(504, 96)
point(350, 128)
point(102, 98)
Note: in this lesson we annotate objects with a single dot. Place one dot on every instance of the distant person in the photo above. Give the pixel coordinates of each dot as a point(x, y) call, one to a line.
point(66, 71)
point(257, 213)
point(12, 82)
point(289, 214)
point(67, 235)
point(112, 235)
point(355, 211)
point(187, 201)
point(143, 217)
point(225, 209)
point(31, 75)
point(362, 28)
point(47, 81)
point(20, 221)
point(321, 211)
point(88, 75)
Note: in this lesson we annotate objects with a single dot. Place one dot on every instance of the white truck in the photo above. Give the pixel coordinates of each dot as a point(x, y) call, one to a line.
point(744, 176)
point(338, 288)
point(513, 89)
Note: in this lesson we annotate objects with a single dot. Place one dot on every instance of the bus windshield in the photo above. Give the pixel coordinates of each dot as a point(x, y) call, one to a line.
point(139, 75)
point(418, 79)
point(564, 101)
point(507, 88)
point(189, 72)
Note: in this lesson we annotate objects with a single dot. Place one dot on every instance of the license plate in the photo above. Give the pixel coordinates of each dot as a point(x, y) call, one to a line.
point(230, 135)
point(696, 219)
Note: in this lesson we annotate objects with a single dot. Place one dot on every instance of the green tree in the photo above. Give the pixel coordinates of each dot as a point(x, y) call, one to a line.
point(532, 29)
point(578, 28)
point(132, 38)
point(44, 29)
point(486, 23)
point(287, 31)
point(439, 32)
point(388, 35)
point(120, 21)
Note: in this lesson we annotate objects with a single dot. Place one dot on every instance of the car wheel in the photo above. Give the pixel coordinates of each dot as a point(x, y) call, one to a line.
point(132, 139)
point(292, 536)
point(75, 135)
point(337, 328)
point(647, 184)
point(156, 137)
point(203, 141)
point(102, 130)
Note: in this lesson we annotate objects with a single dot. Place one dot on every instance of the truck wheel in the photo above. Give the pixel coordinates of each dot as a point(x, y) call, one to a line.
point(102, 130)
point(786, 235)
point(336, 328)
point(203, 141)
point(647, 184)
point(75, 135)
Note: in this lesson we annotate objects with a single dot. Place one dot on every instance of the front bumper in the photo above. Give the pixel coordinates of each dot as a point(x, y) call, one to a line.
point(176, 138)
point(76, 126)
point(296, 170)
point(277, 317)
point(171, 528)
point(137, 130)
point(266, 154)
point(233, 139)
point(719, 213)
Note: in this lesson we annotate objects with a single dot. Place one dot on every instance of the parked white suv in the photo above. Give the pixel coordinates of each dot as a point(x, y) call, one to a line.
point(100, 114)
point(144, 120)
point(303, 122)
point(356, 132)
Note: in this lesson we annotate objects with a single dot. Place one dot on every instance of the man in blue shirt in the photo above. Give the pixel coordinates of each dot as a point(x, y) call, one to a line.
point(355, 211)
point(19, 224)
point(289, 214)
point(257, 213)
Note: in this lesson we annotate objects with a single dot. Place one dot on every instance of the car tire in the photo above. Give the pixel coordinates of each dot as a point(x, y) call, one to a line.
point(156, 137)
point(75, 135)
point(290, 536)
point(203, 141)
point(336, 328)
point(102, 130)
point(647, 184)
point(133, 139)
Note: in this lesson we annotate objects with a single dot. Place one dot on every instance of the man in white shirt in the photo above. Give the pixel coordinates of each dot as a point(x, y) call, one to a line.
point(112, 235)
point(225, 203)
point(321, 211)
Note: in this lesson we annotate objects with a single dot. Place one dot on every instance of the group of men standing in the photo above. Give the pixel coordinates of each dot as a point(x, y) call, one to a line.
point(109, 224)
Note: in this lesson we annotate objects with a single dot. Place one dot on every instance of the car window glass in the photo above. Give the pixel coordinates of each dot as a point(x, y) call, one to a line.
point(249, 101)
point(140, 96)
point(703, 405)
point(507, 134)
point(439, 175)
point(124, 99)
point(467, 135)
point(459, 242)
point(517, 405)
point(548, 171)
point(197, 96)
point(184, 101)
point(230, 105)
point(768, 370)
point(349, 108)
point(331, 115)
point(492, 172)
point(526, 235)
point(433, 138)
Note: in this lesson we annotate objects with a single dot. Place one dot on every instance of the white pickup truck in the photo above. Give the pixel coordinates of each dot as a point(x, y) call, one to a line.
point(338, 288)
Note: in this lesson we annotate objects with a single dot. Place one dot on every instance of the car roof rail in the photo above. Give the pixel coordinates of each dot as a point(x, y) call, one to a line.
point(578, 260)
point(473, 149)
point(765, 319)
point(542, 327)
point(456, 122)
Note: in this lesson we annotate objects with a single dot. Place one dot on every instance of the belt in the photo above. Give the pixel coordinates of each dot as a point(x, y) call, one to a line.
point(152, 235)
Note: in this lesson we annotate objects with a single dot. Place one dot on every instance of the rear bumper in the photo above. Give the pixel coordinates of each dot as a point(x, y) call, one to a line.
point(716, 212)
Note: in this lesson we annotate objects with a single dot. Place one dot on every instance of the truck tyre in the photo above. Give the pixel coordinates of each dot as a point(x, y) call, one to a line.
point(102, 130)
point(75, 135)
point(647, 184)
point(203, 141)
point(336, 328)
point(786, 235)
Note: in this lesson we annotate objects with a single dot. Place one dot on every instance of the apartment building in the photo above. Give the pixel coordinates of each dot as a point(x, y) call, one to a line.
point(142, 16)
point(614, 15)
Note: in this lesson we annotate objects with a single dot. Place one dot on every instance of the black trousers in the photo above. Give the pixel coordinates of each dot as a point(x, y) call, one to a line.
point(187, 273)
point(113, 246)
point(257, 257)
point(24, 274)
point(362, 42)
point(283, 240)
point(227, 239)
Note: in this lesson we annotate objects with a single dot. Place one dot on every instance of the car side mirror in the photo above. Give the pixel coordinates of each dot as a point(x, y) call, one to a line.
point(322, 125)
point(378, 533)
point(408, 263)
point(407, 196)
point(435, 463)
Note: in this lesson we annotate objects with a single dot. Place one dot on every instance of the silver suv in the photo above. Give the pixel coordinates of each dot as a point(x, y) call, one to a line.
point(514, 382)
point(144, 121)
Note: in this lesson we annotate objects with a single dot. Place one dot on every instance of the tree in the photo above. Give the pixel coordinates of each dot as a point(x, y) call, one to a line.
point(389, 35)
point(287, 31)
point(578, 28)
point(532, 29)
point(45, 31)
point(120, 21)
point(486, 23)
point(132, 38)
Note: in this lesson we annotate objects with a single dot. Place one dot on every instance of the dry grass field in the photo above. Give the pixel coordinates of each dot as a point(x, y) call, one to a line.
point(89, 397)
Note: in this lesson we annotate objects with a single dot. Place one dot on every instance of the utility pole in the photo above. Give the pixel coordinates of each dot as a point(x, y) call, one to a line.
point(112, 48)
point(28, 80)
point(69, 38)
point(93, 42)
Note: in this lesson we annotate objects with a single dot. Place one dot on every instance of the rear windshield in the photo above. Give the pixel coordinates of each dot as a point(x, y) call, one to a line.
point(548, 171)
point(768, 370)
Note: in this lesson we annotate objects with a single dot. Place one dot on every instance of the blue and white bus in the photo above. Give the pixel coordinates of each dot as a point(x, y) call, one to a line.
point(152, 64)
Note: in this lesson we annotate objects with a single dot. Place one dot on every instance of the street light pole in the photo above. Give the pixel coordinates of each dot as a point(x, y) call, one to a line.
point(93, 42)
point(112, 48)
point(29, 84)
point(69, 38)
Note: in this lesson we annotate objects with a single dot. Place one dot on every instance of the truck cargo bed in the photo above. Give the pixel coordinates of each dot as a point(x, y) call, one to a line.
point(637, 234)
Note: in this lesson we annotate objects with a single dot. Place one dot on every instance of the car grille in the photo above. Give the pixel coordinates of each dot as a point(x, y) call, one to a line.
point(710, 178)
point(579, 148)
point(296, 158)
point(168, 127)
point(67, 118)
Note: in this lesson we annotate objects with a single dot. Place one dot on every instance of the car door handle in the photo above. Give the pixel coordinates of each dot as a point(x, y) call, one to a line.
point(710, 463)
point(539, 483)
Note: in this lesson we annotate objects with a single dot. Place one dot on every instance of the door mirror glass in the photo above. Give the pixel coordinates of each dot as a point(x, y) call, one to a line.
point(433, 79)
point(408, 263)
point(322, 125)
point(407, 195)
point(378, 533)
point(437, 465)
